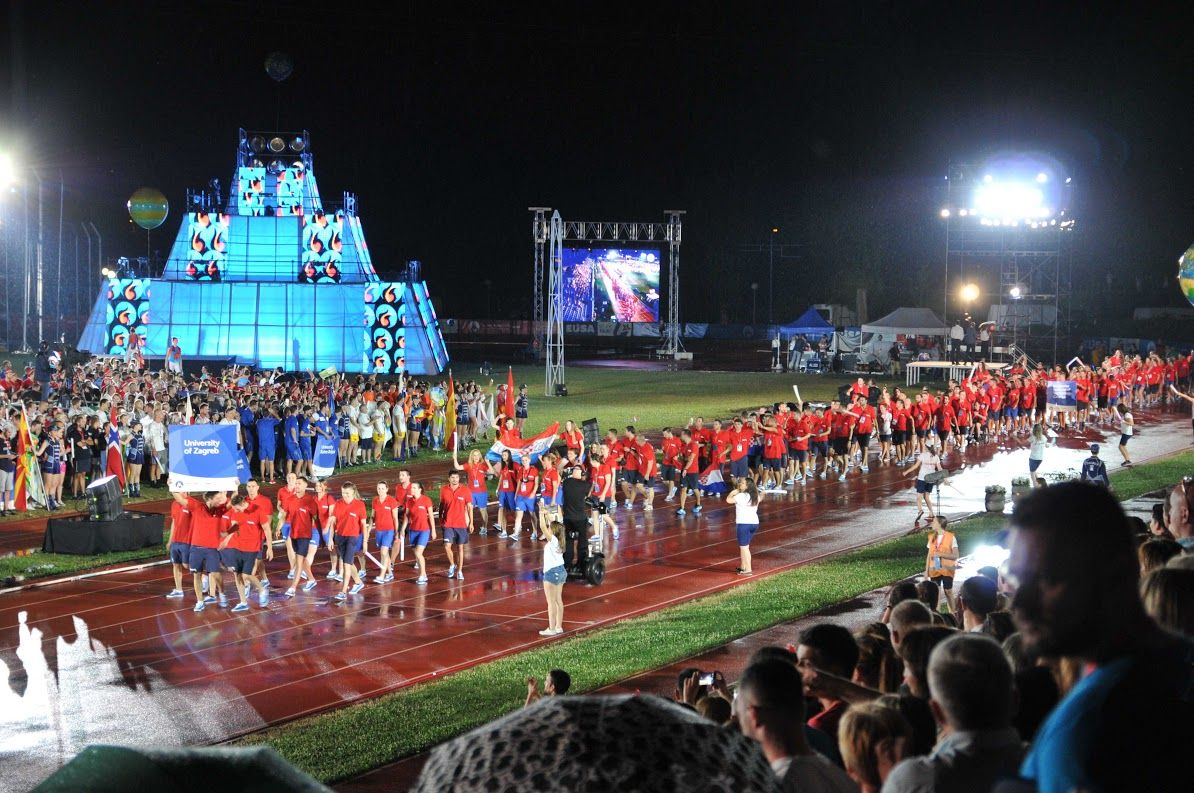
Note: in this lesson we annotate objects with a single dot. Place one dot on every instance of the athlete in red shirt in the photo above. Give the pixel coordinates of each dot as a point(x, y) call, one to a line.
point(284, 496)
point(207, 522)
point(385, 523)
point(327, 502)
point(180, 542)
point(303, 512)
point(456, 515)
point(348, 520)
point(525, 493)
point(265, 514)
point(419, 526)
point(474, 473)
point(246, 537)
point(690, 468)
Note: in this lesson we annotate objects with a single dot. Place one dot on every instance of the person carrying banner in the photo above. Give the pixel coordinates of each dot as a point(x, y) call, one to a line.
point(208, 522)
point(456, 513)
point(246, 536)
point(348, 519)
point(385, 522)
point(475, 471)
point(419, 526)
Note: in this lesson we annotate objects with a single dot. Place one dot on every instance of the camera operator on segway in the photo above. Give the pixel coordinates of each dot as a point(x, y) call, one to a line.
point(576, 528)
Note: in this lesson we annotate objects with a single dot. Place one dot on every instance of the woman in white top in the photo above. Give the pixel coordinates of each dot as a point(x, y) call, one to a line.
point(745, 498)
point(1036, 452)
point(927, 462)
point(1127, 426)
point(554, 577)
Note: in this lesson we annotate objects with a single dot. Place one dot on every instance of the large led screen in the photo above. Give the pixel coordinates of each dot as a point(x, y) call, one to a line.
point(209, 246)
point(322, 246)
point(611, 285)
point(385, 327)
point(128, 312)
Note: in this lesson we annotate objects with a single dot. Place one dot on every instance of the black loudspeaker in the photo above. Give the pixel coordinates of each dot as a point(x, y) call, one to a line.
point(104, 499)
point(561, 389)
point(591, 432)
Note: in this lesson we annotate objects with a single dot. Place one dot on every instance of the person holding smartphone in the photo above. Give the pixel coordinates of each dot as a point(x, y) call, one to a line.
point(745, 498)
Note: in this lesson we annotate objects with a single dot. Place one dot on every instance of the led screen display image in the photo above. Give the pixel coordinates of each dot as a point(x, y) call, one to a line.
point(610, 285)
point(322, 246)
point(250, 191)
point(289, 189)
point(128, 312)
point(385, 327)
point(208, 233)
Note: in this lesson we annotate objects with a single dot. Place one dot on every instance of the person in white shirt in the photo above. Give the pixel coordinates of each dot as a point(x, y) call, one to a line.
point(745, 498)
point(770, 710)
point(155, 444)
point(554, 576)
point(1127, 427)
point(927, 462)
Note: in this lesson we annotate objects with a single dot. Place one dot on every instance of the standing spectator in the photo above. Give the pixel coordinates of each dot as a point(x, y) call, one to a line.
point(956, 335)
point(8, 467)
point(1073, 565)
point(521, 405)
point(984, 341)
point(1127, 427)
point(971, 696)
point(830, 648)
point(1093, 469)
point(770, 710)
point(977, 597)
point(43, 373)
point(969, 338)
point(908, 616)
point(174, 356)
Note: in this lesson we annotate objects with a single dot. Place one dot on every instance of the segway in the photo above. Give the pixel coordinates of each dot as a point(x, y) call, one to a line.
point(593, 569)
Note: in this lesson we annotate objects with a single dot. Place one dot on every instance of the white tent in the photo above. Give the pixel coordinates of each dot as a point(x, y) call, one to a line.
point(907, 322)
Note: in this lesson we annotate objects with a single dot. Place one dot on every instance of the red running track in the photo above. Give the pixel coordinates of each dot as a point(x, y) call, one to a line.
point(109, 659)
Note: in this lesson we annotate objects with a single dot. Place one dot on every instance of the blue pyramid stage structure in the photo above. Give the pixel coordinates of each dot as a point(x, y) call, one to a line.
point(271, 275)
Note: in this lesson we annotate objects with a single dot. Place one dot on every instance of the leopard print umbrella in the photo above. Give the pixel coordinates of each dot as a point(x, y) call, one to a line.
point(589, 744)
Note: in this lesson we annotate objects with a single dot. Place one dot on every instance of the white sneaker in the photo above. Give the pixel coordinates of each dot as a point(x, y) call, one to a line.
point(451, 571)
point(617, 534)
point(459, 575)
point(866, 469)
point(547, 632)
point(842, 478)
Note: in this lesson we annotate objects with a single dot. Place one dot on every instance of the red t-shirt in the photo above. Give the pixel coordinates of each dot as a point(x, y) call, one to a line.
point(740, 442)
point(325, 502)
point(646, 459)
point(773, 445)
point(628, 450)
point(383, 513)
point(249, 535)
point(180, 523)
point(671, 451)
point(350, 517)
point(474, 474)
point(454, 506)
point(419, 512)
point(303, 514)
point(507, 480)
point(551, 483)
point(573, 440)
point(692, 464)
point(284, 496)
point(264, 507)
point(601, 476)
point(206, 525)
point(526, 480)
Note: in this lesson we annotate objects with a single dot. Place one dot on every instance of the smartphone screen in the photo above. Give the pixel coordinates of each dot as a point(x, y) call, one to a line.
point(706, 679)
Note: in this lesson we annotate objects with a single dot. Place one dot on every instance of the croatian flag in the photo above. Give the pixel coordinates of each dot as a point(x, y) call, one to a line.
point(711, 480)
point(535, 446)
point(115, 460)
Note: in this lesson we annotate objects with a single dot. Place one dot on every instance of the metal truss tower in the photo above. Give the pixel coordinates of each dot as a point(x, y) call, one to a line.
point(673, 344)
point(539, 235)
point(555, 307)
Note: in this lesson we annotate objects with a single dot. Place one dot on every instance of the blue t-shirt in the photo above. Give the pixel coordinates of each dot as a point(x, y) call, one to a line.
point(265, 431)
point(291, 430)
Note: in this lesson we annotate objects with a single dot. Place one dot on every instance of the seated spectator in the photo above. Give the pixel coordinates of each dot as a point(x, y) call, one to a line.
point(929, 594)
point(715, 709)
point(971, 697)
point(879, 630)
point(919, 717)
point(904, 590)
point(1076, 577)
point(770, 710)
point(873, 739)
point(878, 666)
point(556, 684)
point(817, 739)
point(830, 648)
point(908, 615)
point(998, 625)
point(1177, 516)
point(1156, 526)
point(1168, 595)
point(914, 652)
point(977, 597)
point(1156, 553)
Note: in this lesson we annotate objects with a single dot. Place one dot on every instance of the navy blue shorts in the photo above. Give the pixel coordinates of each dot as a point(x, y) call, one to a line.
point(180, 552)
point(821, 448)
point(204, 560)
point(632, 477)
point(668, 472)
point(1034, 464)
point(556, 575)
point(300, 546)
point(745, 532)
point(456, 536)
point(1123, 439)
point(692, 481)
point(923, 487)
point(228, 558)
point(348, 547)
point(773, 463)
point(799, 455)
point(245, 562)
point(738, 468)
point(506, 499)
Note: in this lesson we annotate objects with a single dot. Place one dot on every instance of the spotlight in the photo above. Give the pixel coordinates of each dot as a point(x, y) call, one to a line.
point(277, 145)
point(969, 292)
point(1015, 292)
point(257, 144)
point(8, 171)
point(297, 144)
point(962, 213)
point(945, 213)
point(1067, 180)
point(987, 178)
point(1042, 177)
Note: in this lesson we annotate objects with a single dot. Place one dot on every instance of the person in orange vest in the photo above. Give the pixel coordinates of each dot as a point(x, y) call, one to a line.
point(942, 557)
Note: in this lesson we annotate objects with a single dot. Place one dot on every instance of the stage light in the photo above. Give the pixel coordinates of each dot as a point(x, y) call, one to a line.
point(962, 213)
point(945, 213)
point(987, 178)
point(1067, 180)
point(277, 145)
point(1015, 292)
point(1011, 201)
point(968, 293)
point(1042, 177)
point(8, 171)
point(257, 144)
point(297, 144)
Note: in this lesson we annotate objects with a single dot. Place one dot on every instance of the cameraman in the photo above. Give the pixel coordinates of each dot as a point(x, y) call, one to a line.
point(576, 517)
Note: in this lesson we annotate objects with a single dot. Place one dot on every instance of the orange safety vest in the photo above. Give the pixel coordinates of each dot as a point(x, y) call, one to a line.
point(937, 546)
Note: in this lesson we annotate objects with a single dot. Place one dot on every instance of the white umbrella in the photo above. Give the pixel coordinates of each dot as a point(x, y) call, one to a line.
point(589, 744)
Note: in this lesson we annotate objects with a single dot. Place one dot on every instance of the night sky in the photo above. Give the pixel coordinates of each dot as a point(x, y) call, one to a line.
point(833, 121)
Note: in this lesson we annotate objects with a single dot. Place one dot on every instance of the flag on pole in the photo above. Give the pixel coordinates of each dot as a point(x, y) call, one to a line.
point(29, 488)
point(535, 446)
point(450, 412)
point(190, 416)
point(508, 404)
point(115, 459)
point(711, 480)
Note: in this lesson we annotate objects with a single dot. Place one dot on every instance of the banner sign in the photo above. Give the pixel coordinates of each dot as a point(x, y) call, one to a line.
point(323, 462)
point(203, 457)
point(1062, 395)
